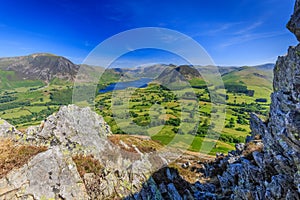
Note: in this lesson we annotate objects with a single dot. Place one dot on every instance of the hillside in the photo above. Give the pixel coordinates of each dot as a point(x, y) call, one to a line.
point(176, 75)
point(42, 66)
point(250, 76)
point(258, 79)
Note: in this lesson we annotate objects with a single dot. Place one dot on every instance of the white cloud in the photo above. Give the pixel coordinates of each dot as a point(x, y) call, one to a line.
point(232, 28)
point(249, 37)
point(219, 29)
point(249, 28)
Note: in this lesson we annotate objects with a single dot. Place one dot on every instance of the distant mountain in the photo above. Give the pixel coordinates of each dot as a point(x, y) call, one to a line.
point(46, 67)
point(41, 66)
point(225, 70)
point(183, 73)
point(152, 71)
point(155, 71)
point(268, 66)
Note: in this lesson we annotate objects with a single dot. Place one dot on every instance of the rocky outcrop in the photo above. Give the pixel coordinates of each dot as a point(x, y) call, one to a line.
point(271, 172)
point(49, 175)
point(294, 23)
point(72, 128)
point(166, 183)
point(77, 131)
point(8, 130)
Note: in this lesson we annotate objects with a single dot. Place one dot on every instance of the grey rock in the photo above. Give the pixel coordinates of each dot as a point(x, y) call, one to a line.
point(72, 126)
point(273, 173)
point(173, 193)
point(48, 175)
point(186, 165)
point(73, 130)
point(7, 130)
point(239, 147)
point(294, 23)
point(162, 188)
point(187, 195)
point(259, 159)
point(208, 187)
point(205, 195)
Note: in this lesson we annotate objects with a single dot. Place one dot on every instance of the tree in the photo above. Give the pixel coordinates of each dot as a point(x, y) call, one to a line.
point(231, 123)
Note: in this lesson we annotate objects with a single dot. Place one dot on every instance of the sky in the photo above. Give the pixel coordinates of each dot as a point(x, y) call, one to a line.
point(233, 32)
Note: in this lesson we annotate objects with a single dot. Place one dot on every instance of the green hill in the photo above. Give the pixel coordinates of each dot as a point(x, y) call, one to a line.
point(257, 79)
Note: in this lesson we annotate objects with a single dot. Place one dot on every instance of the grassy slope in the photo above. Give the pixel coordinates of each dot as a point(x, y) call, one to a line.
point(9, 80)
point(254, 79)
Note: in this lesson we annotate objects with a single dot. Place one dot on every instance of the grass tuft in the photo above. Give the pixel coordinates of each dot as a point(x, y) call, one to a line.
point(87, 164)
point(14, 155)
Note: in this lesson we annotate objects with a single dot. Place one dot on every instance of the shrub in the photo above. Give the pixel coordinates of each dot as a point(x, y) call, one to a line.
point(261, 100)
point(241, 129)
point(87, 164)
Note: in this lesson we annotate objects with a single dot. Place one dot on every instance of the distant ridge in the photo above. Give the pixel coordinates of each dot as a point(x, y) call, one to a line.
point(47, 66)
point(41, 66)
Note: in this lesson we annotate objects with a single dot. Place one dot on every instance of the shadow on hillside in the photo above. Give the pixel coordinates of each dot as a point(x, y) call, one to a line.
point(166, 183)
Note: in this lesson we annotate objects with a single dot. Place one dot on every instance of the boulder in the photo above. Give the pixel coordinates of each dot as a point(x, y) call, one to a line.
point(49, 175)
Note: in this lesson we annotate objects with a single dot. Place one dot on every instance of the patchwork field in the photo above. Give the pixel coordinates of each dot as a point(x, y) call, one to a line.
point(167, 117)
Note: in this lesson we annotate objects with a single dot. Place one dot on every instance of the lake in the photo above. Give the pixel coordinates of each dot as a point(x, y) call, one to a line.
point(140, 83)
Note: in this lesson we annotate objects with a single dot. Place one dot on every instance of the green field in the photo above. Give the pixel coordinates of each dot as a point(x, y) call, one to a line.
point(9, 80)
point(169, 117)
point(165, 108)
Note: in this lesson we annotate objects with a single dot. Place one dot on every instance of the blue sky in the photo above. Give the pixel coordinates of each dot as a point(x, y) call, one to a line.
point(233, 32)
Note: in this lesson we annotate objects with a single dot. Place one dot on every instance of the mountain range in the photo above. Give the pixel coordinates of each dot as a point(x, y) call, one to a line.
point(45, 67)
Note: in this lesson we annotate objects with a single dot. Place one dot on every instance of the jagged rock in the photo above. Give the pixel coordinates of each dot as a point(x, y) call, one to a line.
point(259, 159)
point(205, 187)
point(272, 167)
point(239, 148)
point(186, 165)
point(173, 193)
point(162, 188)
point(73, 131)
point(219, 155)
point(72, 127)
point(49, 175)
point(257, 127)
point(205, 195)
point(171, 175)
point(294, 23)
point(232, 160)
point(8, 130)
point(187, 195)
